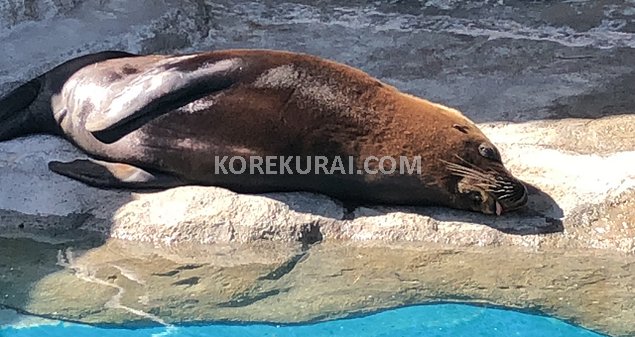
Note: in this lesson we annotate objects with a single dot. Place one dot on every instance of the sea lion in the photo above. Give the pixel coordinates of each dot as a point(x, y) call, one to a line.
point(158, 121)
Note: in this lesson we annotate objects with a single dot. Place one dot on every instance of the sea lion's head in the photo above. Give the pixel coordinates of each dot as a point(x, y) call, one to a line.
point(480, 180)
point(462, 162)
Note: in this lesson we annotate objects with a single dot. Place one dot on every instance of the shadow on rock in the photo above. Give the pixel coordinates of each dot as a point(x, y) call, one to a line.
point(541, 204)
point(541, 215)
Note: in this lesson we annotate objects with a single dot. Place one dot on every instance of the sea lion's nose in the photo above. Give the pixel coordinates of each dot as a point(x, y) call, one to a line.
point(517, 199)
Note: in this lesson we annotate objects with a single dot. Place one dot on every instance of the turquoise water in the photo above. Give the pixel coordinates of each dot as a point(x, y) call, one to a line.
point(442, 320)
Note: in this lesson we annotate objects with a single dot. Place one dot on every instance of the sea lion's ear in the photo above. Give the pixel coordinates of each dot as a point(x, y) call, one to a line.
point(462, 128)
point(170, 84)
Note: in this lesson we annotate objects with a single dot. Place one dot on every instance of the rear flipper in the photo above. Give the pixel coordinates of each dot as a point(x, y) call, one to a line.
point(113, 175)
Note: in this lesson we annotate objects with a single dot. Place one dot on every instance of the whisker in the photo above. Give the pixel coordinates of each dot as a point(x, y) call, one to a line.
point(485, 186)
point(470, 172)
point(506, 196)
point(467, 162)
point(488, 181)
point(504, 183)
point(461, 167)
point(467, 173)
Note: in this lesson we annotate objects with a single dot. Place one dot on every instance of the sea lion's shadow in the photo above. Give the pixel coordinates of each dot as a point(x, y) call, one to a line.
point(541, 215)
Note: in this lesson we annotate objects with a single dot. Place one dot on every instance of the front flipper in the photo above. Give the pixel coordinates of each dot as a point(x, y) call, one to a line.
point(113, 175)
point(170, 84)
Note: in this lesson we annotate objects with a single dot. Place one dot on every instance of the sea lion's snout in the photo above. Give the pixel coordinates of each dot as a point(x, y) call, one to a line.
point(514, 199)
point(490, 191)
point(509, 195)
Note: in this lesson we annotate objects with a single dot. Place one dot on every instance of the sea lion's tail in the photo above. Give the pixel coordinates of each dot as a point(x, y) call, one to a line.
point(27, 109)
point(15, 118)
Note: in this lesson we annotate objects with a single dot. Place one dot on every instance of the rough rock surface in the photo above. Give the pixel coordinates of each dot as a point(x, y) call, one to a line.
point(550, 84)
point(135, 283)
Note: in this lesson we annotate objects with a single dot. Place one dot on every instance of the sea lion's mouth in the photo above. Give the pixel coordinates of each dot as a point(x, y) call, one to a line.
point(499, 208)
point(509, 201)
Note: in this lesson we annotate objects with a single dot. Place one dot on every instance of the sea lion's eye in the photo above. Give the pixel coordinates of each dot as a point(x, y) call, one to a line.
point(476, 197)
point(489, 152)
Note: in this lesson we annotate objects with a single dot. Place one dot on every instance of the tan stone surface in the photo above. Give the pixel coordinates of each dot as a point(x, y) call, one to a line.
point(128, 283)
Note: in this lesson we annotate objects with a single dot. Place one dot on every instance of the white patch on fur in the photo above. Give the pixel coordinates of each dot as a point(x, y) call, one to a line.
point(241, 150)
point(323, 93)
point(285, 76)
point(308, 87)
point(88, 92)
point(77, 92)
point(188, 143)
point(199, 105)
point(145, 83)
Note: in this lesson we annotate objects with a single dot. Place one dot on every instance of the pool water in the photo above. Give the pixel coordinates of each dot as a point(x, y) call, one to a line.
point(439, 320)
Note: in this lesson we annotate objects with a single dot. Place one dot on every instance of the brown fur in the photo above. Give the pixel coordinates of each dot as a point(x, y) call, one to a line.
point(282, 103)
